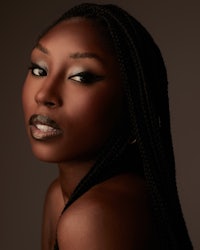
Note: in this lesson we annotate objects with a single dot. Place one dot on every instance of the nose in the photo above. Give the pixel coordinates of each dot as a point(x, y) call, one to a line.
point(48, 95)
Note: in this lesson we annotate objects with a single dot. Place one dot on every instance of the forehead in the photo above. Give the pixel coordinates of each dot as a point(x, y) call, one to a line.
point(81, 32)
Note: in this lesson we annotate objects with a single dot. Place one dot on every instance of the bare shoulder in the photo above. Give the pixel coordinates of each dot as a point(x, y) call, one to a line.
point(54, 202)
point(53, 206)
point(54, 191)
point(112, 215)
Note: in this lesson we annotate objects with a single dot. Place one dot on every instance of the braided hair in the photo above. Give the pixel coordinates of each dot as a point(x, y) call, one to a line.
point(146, 118)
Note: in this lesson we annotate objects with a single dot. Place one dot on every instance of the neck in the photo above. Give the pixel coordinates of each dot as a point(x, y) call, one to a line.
point(70, 174)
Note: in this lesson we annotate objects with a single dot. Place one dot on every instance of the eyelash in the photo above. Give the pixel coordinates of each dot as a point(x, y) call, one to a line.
point(40, 71)
point(86, 77)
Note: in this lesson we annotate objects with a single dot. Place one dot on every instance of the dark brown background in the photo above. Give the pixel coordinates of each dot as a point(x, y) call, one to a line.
point(23, 180)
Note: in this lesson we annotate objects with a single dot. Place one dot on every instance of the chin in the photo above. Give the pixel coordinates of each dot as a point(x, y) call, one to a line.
point(46, 152)
point(54, 153)
point(46, 155)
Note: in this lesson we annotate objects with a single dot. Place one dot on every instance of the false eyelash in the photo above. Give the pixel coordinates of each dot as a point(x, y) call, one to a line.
point(87, 77)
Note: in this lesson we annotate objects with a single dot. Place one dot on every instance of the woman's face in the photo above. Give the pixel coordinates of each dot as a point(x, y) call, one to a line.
point(72, 96)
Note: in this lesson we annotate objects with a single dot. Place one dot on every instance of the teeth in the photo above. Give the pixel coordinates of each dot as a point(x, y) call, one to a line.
point(44, 128)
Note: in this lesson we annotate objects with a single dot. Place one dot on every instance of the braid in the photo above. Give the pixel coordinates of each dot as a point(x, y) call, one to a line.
point(158, 204)
point(146, 118)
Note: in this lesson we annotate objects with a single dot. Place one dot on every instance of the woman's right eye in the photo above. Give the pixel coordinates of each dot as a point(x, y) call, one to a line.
point(36, 70)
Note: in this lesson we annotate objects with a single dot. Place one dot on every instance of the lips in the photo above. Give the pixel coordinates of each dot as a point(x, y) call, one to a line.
point(43, 128)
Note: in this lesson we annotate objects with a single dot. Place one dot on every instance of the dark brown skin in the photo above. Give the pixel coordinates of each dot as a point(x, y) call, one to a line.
point(113, 214)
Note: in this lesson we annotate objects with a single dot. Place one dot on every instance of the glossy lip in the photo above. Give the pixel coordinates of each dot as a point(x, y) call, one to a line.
point(43, 128)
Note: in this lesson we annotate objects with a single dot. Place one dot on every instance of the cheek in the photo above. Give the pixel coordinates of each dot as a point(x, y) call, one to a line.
point(27, 98)
point(98, 110)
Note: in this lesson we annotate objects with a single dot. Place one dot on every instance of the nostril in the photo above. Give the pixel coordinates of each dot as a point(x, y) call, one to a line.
point(48, 98)
point(50, 104)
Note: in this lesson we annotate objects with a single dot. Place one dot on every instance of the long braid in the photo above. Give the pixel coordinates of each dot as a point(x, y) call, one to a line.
point(147, 119)
point(143, 97)
point(167, 183)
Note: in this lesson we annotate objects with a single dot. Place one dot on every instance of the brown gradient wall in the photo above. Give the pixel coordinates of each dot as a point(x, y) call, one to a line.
point(174, 25)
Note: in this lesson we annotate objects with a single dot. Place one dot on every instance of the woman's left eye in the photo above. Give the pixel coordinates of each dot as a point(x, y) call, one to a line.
point(86, 77)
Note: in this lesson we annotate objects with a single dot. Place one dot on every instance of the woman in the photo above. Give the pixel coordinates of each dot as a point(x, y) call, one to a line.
point(95, 102)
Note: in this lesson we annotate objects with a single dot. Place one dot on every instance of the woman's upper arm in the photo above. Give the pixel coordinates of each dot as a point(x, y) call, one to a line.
point(98, 226)
point(53, 206)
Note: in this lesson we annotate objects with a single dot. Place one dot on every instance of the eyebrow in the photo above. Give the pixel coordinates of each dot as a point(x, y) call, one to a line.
point(85, 55)
point(41, 48)
point(76, 55)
